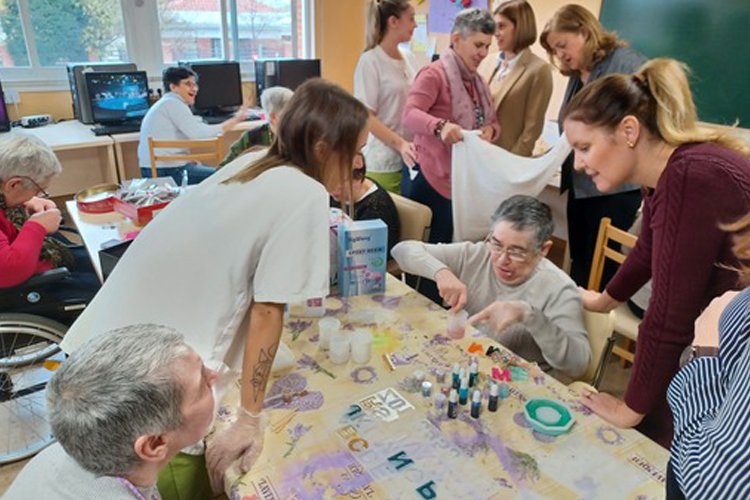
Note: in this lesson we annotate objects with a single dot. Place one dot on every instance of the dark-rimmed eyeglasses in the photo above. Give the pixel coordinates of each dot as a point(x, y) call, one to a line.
point(41, 192)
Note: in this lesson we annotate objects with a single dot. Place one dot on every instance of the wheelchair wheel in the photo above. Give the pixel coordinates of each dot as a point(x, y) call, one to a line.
point(29, 355)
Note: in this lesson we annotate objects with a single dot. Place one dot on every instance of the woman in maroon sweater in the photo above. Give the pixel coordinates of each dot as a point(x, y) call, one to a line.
point(642, 128)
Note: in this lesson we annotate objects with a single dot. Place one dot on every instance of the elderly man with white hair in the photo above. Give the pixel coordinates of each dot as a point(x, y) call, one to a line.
point(526, 302)
point(28, 218)
point(272, 100)
point(120, 407)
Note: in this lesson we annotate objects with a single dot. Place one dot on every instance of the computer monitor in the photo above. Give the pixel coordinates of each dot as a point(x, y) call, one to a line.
point(4, 119)
point(119, 96)
point(289, 73)
point(219, 86)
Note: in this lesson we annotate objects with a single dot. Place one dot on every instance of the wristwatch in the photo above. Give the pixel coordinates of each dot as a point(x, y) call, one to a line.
point(439, 128)
point(696, 351)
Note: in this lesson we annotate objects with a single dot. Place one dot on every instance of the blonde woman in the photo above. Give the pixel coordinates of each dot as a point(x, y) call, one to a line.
point(582, 49)
point(520, 82)
point(382, 80)
point(642, 129)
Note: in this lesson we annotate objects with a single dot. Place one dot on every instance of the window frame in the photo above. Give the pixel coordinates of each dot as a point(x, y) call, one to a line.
point(142, 34)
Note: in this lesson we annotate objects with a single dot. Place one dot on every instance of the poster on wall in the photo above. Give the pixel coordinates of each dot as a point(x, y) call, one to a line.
point(443, 12)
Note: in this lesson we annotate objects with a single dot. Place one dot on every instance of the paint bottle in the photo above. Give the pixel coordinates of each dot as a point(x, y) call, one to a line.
point(492, 405)
point(456, 376)
point(504, 391)
point(476, 404)
point(440, 376)
point(463, 392)
point(453, 404)
point(473, 374)
point(427, 389)
point(419, 375)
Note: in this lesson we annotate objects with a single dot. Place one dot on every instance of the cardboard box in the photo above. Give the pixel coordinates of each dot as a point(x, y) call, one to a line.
point(363, 247)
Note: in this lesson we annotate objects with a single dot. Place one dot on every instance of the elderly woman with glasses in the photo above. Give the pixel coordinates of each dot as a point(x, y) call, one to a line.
point(371, 200)
point(523, 300)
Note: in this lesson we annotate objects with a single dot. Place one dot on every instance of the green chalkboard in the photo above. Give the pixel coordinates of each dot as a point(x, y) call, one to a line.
point(711, 36)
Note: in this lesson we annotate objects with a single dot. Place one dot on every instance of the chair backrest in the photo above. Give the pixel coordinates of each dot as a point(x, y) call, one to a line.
point(607, 233)
point(599, 327)
point(413, 217)
point(212, 151)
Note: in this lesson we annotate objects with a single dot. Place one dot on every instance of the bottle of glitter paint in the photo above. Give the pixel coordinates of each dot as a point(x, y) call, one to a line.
point(456, 376)
point(473, 374)
point(453, 404)
point(440, 401)
point(504, 391)
point(427, 389)
point(476, 404)
point(463, 393)
point(492, 405)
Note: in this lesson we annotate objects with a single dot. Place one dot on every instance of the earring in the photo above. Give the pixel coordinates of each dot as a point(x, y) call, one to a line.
point(631, 144)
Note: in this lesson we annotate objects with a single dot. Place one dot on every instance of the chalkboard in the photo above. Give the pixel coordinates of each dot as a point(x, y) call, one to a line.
point(711, 36)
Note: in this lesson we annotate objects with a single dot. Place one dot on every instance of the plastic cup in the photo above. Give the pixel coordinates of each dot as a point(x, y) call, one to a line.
point(326, 328)
point(457, 324)
point(361, 346)
point(339, 346)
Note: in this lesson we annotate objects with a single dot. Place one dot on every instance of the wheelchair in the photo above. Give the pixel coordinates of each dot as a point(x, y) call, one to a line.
point(33, 322)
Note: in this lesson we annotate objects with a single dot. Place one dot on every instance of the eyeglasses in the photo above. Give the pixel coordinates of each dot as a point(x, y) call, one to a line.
point(40, 189)
point(358, 174)
point(517, 255)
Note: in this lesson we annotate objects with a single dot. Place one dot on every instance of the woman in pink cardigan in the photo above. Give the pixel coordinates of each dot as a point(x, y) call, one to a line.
point(449, 96)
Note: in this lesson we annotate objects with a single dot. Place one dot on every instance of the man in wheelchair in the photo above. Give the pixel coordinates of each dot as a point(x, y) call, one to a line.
point(39, 272)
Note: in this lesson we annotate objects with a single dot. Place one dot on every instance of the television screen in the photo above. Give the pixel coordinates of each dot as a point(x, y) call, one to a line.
point(118, 96)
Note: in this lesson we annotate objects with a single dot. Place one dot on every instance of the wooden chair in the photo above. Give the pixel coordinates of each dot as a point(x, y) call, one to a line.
point(625, 322)
point(212, 154)
point(414, 220)
point(600, 327)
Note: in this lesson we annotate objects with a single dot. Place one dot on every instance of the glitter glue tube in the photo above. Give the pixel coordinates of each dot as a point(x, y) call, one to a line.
point(453, 404)
point(463, 393)
point(456, 376)
point(473, 374)
point(476, 404)
point(440, 401)
point(494, 390)
point(427, 389)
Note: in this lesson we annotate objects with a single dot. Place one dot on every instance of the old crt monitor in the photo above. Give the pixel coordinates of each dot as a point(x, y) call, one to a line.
point(81, 101)
point(289, 73)
point(219, 86)
point(118, 97)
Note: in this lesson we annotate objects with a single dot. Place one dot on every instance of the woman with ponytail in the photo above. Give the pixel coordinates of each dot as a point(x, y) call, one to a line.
point(643, 129)
point(382, 80)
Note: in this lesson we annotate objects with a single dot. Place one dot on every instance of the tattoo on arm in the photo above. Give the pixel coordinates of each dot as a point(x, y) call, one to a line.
point(262, 370)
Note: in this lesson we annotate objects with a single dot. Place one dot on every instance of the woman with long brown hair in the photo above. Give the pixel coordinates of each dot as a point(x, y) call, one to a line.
point(583, 50)
point(220, 262)
point(643, 129)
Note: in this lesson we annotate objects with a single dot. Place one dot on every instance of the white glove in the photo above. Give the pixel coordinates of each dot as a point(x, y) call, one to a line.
point(243, 440)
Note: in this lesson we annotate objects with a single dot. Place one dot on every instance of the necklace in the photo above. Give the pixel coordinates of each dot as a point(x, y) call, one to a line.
point(136, 493)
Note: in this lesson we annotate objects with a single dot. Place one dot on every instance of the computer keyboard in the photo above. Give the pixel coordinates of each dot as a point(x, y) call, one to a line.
point(216, 119)
point(116, 129)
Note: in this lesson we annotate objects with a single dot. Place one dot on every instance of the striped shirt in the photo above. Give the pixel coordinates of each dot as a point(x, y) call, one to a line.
point(710, 398)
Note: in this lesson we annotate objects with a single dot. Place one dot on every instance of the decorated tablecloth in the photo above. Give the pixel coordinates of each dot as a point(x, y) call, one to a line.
point(395, 444)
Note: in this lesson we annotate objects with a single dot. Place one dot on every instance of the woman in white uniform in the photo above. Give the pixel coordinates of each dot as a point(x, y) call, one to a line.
point(382, 80)
point(220, 262)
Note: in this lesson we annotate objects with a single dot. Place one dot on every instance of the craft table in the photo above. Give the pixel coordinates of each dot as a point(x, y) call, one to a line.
point(317, 446)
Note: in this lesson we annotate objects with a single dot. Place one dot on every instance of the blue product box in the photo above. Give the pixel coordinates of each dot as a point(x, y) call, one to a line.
point(362, 257)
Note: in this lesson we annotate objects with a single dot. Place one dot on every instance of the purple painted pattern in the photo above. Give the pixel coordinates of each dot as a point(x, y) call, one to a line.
point(609, 435)
point(295, 434)
point(297, 327)
point(387, 302)
point(307, 362)
point(402, 360)
point(294, 383)
point(364, 375)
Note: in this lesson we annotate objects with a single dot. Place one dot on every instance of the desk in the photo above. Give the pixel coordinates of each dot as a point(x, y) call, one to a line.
point(126, 148)
point(86, 159)
point(323, 453)
point(96, 229)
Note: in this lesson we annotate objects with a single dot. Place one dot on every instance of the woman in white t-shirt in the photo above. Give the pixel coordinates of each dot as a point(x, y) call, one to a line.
point(221, 261)
point(382, 80)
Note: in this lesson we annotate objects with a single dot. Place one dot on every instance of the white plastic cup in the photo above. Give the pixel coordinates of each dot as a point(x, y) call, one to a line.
point(361, 346)
point(339, 346)
point(457, 324)
point(326, 328)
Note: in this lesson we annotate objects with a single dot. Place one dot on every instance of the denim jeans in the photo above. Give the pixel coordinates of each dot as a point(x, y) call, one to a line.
point(195, 173)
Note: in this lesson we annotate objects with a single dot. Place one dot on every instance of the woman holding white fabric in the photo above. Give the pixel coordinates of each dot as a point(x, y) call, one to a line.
point(382, 79)
point(449, 96)
point(221, 261)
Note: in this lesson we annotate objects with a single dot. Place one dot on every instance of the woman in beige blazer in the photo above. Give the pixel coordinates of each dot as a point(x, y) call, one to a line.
point(520, 82)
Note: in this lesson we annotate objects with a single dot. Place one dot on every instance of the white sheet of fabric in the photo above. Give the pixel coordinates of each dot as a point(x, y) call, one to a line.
point(483, 175)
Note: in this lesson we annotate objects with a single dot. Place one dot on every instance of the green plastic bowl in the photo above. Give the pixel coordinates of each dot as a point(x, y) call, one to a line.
point(548, 417)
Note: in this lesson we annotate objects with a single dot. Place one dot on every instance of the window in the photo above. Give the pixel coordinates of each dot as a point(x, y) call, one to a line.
point(52, 33)
point(38, 38)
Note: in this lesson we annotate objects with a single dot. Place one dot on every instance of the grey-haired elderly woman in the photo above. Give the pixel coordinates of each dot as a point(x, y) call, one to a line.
point(272, 100)
point(28, 218)
point(449, 96)
point(120, 407)
point(506, 282)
